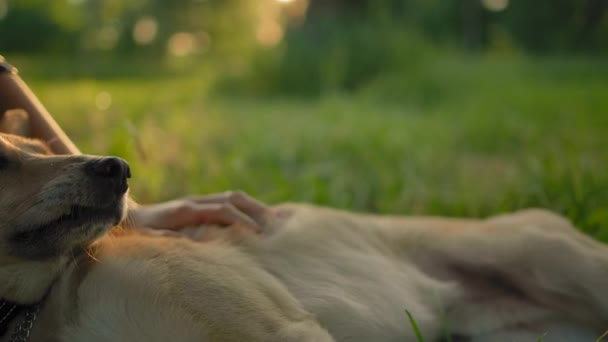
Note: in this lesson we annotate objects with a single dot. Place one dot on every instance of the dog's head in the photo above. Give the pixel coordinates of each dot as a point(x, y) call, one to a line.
point(51, 207)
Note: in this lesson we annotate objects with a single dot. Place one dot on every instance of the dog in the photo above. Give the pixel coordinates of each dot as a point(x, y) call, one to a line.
point(311, 274)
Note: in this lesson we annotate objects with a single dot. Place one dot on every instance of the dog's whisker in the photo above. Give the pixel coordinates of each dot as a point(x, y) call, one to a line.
point(91, 254)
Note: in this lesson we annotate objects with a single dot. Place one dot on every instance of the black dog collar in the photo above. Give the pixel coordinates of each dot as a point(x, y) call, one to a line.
point(8, 312)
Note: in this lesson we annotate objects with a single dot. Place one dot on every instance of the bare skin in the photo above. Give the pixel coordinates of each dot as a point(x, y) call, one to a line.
point(224, 209)
point(14, 93)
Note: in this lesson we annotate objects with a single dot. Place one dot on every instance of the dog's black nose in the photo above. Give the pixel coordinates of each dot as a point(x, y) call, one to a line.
point(110, 167)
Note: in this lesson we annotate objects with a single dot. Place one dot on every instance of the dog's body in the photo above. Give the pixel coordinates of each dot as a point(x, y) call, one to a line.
point(316, 274)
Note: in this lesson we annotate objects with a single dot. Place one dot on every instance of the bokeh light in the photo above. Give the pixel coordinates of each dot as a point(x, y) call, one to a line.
point(297, 10)
point(269, 33)
point(182, 44)
point(495, 5)
point(145, 30)
point(103, 100)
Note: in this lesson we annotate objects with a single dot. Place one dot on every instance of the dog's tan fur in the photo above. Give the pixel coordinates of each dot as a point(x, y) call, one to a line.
point(315, 274)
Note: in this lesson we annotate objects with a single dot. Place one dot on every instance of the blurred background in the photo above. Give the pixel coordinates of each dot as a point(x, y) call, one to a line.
point(451, 107)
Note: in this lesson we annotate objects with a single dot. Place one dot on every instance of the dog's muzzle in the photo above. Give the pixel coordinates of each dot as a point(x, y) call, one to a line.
point(110, 171)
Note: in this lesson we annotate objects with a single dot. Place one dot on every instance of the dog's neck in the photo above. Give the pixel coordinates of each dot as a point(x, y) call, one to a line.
point(23, 290)
point(57, 297)
point(22, 293)
point(27, 282)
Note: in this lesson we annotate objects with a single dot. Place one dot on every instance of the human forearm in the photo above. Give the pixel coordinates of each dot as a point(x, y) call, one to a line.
point(16, 94)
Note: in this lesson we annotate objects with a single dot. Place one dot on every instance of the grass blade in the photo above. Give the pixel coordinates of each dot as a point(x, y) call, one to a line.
point(415, 326)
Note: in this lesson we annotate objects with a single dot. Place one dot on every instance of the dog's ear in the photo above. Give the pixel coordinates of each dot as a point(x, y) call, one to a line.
point(15, 121)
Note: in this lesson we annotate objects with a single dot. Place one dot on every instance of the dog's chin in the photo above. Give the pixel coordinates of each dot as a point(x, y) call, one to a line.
point(79, 226)
point(88, 223)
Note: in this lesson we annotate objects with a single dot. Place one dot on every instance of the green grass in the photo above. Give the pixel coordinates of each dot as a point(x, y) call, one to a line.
point(466, 137)
point(414, 325)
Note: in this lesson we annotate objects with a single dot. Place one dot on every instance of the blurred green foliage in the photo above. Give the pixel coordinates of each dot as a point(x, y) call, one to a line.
point(451, 107)
point(67, 27)
point(498, 135)
point(317, 45)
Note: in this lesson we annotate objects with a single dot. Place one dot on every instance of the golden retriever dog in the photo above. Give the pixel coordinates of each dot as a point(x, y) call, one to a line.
point(311, 274)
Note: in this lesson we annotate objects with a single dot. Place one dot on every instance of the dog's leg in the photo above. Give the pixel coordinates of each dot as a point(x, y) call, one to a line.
point(536, 269)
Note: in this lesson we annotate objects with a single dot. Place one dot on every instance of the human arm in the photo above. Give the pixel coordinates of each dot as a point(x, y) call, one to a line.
point(15, 94)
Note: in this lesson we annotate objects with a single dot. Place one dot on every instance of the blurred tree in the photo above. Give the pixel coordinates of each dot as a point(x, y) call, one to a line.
point(594, 14)
point(228, 27)
point(472, 26)
point(38, 25)
point(41, 25)
point(540, 25)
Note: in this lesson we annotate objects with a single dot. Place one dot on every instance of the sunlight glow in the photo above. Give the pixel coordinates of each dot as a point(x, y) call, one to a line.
point(145, 30)
point(285, 1)
point(297, 10)
point(182, 44)
point(495, 5)
point(269, 33)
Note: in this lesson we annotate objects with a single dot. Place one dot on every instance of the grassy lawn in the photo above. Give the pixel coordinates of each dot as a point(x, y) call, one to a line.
point(469, 138)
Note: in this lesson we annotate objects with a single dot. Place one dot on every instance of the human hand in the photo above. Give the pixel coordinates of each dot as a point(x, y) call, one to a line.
point(228, 208)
